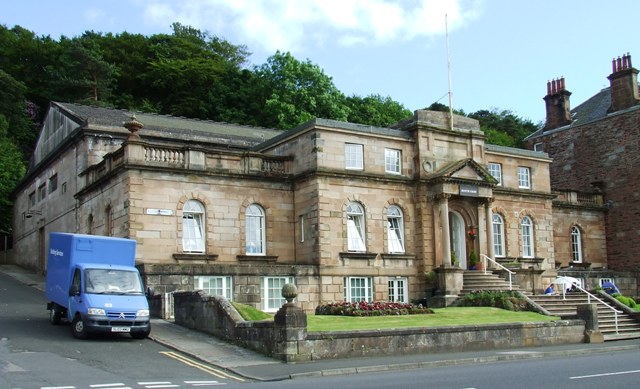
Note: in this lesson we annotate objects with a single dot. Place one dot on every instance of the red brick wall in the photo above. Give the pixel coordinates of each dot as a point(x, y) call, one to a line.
point(606, 151)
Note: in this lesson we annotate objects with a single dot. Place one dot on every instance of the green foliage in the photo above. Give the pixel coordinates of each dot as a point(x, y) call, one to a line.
point(375, 110)
point(296, 92)
point(628, 301)
point(508, 300)
point(12, 170)
point(503, 128)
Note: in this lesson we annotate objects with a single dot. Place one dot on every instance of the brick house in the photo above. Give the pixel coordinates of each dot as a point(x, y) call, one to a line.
point(344, 211)
point(595, 149)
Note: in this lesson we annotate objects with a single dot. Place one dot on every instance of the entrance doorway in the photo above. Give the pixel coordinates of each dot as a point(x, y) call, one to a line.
point(457, 238)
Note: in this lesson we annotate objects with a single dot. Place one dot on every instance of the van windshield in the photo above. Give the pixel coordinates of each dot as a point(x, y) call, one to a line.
point(110, 281)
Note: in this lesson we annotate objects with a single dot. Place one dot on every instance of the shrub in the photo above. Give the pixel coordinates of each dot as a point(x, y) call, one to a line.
point(364, 308)
point(628, 301)
point(508, 300)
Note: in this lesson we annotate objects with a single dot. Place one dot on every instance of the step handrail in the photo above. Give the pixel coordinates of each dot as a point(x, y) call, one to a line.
point(589, 296)
point(484, 259)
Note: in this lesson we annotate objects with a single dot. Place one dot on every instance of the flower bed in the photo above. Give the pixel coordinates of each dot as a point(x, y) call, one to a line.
point(364, 308)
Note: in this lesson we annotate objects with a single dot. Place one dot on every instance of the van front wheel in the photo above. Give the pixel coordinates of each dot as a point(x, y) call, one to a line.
point(77, 328)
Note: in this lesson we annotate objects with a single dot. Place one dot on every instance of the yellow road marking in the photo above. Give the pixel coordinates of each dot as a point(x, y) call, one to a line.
point(201, 366)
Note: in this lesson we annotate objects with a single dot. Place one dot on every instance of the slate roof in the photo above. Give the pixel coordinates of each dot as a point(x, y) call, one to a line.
point(594, 108)
point(166, 126)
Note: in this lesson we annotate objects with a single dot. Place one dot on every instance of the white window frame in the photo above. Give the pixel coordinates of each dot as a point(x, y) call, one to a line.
point(358, 289)
point(495, 169)
point(576, 245)
point(255, 243)
point(392, 161)
point(526, 228)
point(353, 156)
point(356, 232)
point(538, 147)
point(398, 289)
point(215, 285)
point(193, 227)
point(395, 229)
point(271, 294)
point(498, 235)
point(524, 177)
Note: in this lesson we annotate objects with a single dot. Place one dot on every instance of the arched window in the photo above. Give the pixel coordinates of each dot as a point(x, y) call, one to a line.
point(355, 228)
point(576, 245)
point(255, 230)
point(527, 237)
point(498, 235)
point(193, 227)
point(395, 229)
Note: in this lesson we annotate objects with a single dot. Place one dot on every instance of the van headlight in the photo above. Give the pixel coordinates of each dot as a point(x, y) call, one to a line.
point(142, 313)
point(96, 312)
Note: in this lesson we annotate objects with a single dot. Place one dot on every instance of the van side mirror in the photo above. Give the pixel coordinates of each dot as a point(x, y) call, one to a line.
point(74, 291)
point(150, 292)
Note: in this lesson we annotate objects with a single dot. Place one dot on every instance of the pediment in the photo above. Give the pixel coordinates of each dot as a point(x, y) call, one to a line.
point(465, 170)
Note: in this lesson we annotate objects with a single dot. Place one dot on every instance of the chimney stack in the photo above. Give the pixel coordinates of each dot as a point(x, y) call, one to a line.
point(624, 84)
point(557, 104)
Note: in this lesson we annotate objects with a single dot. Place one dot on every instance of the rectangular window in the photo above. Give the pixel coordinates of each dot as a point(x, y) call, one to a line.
point(538, 147)
point(53, 183)
point(42, 192)
point(398, 290)
point(358, 289)
point(392, 160)
point(495, 169)
point(272, 298)
point(353, 156)
point(524, 177)
point(32, 199)
point(214, 286)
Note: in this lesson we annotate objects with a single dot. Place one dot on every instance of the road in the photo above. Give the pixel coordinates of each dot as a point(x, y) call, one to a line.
point(36, 354)
point(619, 370)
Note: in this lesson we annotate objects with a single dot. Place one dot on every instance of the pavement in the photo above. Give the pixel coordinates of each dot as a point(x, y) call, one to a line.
point(255, 366)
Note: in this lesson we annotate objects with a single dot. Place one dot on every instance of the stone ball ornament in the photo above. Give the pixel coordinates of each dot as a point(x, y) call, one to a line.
point(289, 292)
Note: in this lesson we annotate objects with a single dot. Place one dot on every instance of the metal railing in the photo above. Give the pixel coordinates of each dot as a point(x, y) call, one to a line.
point(485, 258)
point(569, 281)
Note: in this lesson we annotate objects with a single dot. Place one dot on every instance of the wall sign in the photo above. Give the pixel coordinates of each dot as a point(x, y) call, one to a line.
point(159, 212)
point(468, 190)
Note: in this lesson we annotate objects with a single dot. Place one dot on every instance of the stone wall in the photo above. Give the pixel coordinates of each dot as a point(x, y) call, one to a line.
point(286, 337)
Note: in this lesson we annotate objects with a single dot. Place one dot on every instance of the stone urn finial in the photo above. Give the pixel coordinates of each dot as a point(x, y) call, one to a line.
point(133, 125)
point(289, 292)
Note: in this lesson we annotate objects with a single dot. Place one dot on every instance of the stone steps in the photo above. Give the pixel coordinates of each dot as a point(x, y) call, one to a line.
point(628, 328)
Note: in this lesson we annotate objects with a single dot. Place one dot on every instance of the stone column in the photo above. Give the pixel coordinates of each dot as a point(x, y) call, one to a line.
point(489, 221)
point(589, 313)
point(444, 226)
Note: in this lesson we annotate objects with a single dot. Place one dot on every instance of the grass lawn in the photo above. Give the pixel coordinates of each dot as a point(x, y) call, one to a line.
point(442, 317)
point(453, 316)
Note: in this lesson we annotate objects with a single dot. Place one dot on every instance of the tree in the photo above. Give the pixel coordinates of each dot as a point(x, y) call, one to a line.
point(504, 128)
point(295, 92)
point(20, 130)
point(12, 169)
point(376, 110)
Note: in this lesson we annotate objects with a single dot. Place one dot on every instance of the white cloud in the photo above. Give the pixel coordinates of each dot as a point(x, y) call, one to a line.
point(289, 25)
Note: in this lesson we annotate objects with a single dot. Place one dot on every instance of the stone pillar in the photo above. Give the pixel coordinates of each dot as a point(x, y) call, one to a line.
point(290, 328)
point(489, 222)
point(589, 313)
point(444, 227)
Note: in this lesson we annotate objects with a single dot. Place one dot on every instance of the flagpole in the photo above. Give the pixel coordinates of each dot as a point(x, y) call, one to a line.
point(446, 27)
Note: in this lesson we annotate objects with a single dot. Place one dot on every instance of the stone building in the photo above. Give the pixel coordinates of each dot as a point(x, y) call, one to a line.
point(344, 211)
point(595, 149)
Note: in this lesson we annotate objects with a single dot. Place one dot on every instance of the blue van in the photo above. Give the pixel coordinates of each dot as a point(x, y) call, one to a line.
point(92, 282)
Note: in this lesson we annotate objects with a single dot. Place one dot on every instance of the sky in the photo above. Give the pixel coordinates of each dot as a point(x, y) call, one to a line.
point(491, 54)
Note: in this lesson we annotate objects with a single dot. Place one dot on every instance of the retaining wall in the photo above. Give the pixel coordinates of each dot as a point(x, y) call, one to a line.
point(286, 336)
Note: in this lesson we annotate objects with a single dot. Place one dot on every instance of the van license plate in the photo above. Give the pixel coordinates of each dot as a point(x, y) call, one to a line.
point(120, 329)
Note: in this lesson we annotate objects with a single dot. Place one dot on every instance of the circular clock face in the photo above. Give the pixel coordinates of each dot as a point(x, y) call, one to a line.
point(426, 165)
